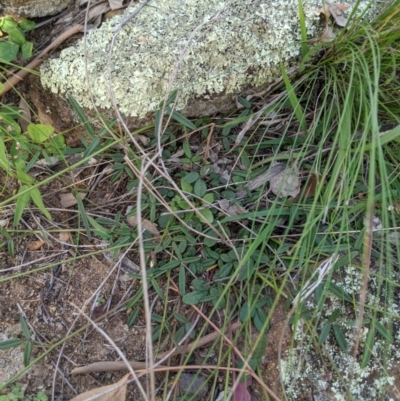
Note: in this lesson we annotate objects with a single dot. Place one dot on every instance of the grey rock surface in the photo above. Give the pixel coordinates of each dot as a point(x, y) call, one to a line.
point(210, 50)
point(193, 386)
point(33, 8)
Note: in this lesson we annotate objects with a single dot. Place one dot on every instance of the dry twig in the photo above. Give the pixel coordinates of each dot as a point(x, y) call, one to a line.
point(21, 74)
point(139, 365)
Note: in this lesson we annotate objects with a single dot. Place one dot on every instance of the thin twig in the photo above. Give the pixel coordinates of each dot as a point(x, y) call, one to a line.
point(21, 74)
point(239, 354)
point(139, 365)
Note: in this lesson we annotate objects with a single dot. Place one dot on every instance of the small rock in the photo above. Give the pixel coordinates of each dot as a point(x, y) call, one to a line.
point(191, 384)
point(33, 8)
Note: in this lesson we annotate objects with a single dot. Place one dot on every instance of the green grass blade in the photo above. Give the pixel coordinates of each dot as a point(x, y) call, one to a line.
point(25, 328)
point(27, 353)
point(24, 196)
point(10, 344)
point(294, 101)
point(82, 117)
point(83, 215)
point(37, 199)
point(303, 30)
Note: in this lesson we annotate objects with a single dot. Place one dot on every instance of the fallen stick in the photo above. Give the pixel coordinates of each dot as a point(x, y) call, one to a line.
point(21, 74)
point(139, 365)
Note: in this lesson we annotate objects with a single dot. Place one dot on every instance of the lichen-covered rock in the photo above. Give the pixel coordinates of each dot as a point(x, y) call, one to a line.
point(32, 8)
point(217, 48)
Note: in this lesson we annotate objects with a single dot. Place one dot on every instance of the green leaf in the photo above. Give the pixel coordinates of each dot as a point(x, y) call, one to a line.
point(1, 87)
point(25, 328)
point(207, 214)
point(334, 315)
point(180, 118)
point(84, 216)
point(369, 345)
point(244, 102)
point(246, 270)
point(99, 229)
point(324, 333)
point(26, 50)
point(208, 241)
point(182, 281)
point(55, 144)
point(8, 24)
point(209, 197)
point(8, 51)
point(158, 289)
point(40, 132)
point(200, 188)
point(191, 177)
point(381, 140)
point(339, 292)
point(16, 36)
point(37, 199)
point(186, 187)
point(40, 396)
point(93, 147)
point(303, 30)
point(22, 176)
point(171, 98)
point(8, 125)
point(170, 265)
point(381, 329)
point(186, 149)
point(132, 317)
point(194, 297)
point(298, 110)
point(4, 163)
point(22, 200)
point(26, 24)
point(244, 313)
point(82, 116)
point(259, 351)
point(10, 344)
point(340, 338)
point(27, 353)
point(200, 285)
point(155, 335)
point(259, 319)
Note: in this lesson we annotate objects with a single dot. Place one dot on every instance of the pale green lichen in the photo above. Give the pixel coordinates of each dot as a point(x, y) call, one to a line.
point(243, 47)
point(345, 378)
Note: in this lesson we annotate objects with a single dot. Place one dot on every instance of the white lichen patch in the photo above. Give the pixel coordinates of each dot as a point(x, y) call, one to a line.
point(242, 46)
point(326, 366)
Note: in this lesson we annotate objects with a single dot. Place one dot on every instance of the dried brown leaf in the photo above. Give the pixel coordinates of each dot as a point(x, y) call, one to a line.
point(143, 138)
point(98, 10)
point(4, 222)
point(116, 4)
point(112, 392)
point(68, 200)
point(336, 10)
point(286, 183)
point(25, 118)
point(327, 35)
point(309, 189)
point(65, 236)
point(231, 210)
point(146, 224)
point(35, 245)
point(262, 179)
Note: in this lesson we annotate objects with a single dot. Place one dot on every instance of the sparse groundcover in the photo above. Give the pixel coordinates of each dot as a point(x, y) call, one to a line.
point(252, 255)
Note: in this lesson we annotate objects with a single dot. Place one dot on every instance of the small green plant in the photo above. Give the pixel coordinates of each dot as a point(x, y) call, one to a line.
point(12, 39)
point(18, 341)
point(19, 151)
point(17, 393)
